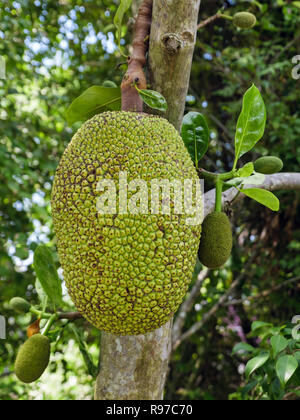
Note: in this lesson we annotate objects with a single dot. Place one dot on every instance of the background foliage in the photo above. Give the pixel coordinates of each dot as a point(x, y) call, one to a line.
point(54, 50)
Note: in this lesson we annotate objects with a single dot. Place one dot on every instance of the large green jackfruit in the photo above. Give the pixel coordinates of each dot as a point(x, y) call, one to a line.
point(32, 358)
point(126, 273)
point(216, 241)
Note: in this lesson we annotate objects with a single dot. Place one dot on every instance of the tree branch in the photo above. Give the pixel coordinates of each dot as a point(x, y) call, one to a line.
point(198, 325)
point(280, 181)
point(187, 305)
point(208, 20)
point(262, 294)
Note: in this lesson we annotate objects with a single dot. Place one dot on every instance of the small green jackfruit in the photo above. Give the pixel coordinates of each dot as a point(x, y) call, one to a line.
point(216, 240)
point(20, 305)
point(268, 165)
point(32, 358)
point(244, 20)
point(126, 272)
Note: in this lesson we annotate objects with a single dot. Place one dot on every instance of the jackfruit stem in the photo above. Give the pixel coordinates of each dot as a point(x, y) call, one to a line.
point(131, 100)
point(228, 17)
point(49, 324)
point(218, 201)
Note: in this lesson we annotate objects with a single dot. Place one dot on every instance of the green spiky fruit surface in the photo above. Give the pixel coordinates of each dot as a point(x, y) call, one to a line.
point(244, 20)
point(268, 165)
point(32, 358)
point(216, 240)
point(126, 273)
point(20, 305)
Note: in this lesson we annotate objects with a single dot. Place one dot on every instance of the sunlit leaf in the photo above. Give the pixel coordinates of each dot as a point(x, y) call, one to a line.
point(263, 197)
point(94, 100)
point(153, 99)
point(251, 123)
point(285, 368)
point(47, 274)
point(256, 362)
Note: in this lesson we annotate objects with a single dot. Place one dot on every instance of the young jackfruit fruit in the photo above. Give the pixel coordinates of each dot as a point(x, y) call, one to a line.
point(244, 20)
point(127, 272)
point(268, 165)
point(216, 240)
point(32, 358)
point(19, 305)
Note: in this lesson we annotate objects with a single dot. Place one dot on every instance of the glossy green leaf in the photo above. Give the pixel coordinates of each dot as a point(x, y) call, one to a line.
point(94, 100)
point(47, 274)
point(256, 362)
point(109, 84)
point(195, 134)
point(246, 170)
point(242, 348)
point(91, 368)
point(118, 19)
point(43, 298)
point(251, 123)
point(153, 99)
point(256, 179)
point(259, 324)
point(285, 368)
point(278, 343)
point(263, 197)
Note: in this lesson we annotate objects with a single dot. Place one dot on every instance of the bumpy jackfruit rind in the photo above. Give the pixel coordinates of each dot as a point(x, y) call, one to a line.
point(268, 165)
point(127, 274)
point(20, 305)
point(244, 20)
point(32, 358)
point(216, 240)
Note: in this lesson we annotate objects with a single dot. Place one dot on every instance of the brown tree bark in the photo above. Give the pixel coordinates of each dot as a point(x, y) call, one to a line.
point(135, 367)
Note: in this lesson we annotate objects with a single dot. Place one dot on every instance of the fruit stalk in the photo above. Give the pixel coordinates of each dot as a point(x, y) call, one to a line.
point(131, 100)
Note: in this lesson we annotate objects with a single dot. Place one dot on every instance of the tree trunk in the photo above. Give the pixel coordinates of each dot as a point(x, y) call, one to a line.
point(135, 367)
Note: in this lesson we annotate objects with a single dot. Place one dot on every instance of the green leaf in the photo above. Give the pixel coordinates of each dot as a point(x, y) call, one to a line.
point(109, 84)
point(263, 197)
point(47, 274)
point(195, 134)
point(243, 348)
point(256, 362)
point(43, 298)
point(246, 170)
point(249, 387)
point(94, 100)
point(118, 19)
point(285, 368)
point(259, 324)
point(92, 369)
point(153, 99)
point(256, 179)
point(251, 122)
point(278, 343)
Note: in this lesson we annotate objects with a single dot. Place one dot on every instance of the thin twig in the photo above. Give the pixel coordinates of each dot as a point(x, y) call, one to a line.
point(72, 316)
point(262, 294)
point(198, 325)
point(208, 20)
point(187, 305)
